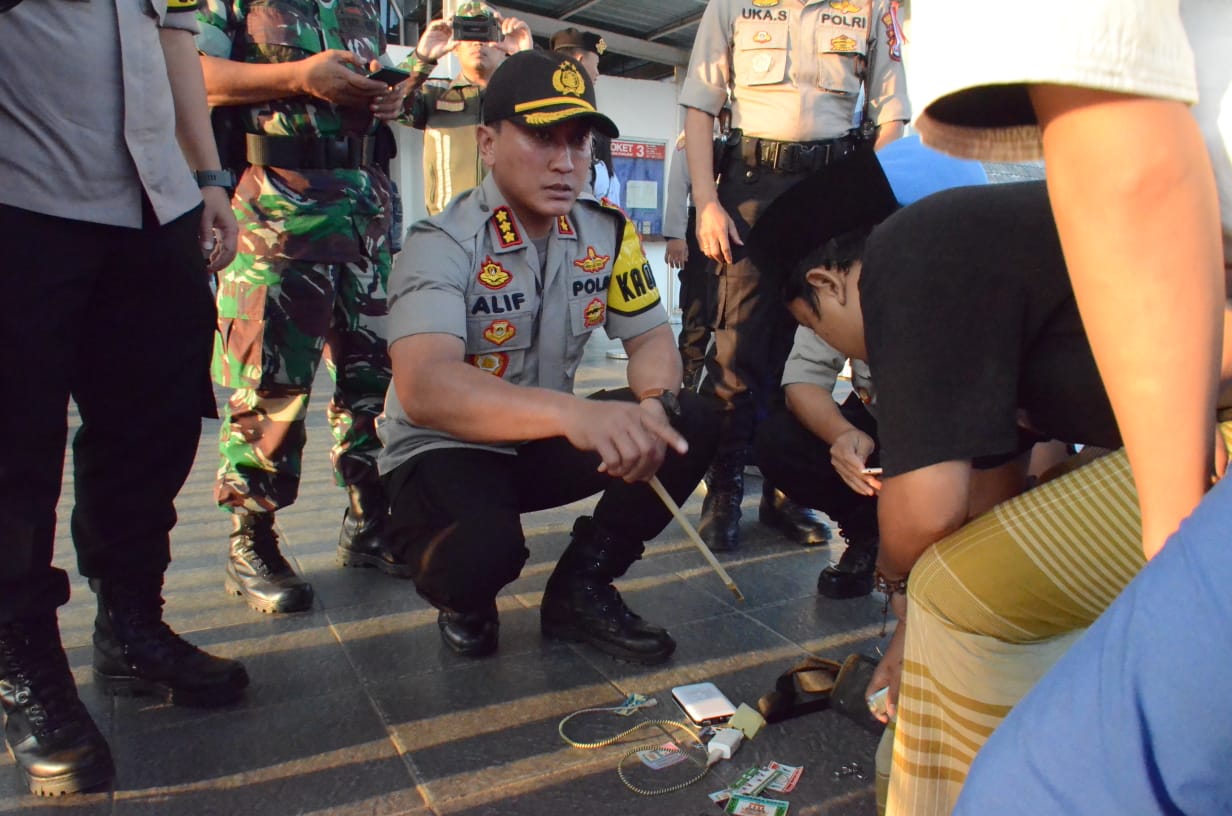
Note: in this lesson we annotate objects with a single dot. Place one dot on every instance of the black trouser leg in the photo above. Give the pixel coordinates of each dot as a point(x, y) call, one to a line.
point(455, 513)
point(798, 463)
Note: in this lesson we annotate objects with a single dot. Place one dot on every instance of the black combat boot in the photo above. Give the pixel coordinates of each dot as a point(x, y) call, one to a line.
point(800, 524)
point(580, 603)
point(719, 525)
point(852, 576)
point(135, 652)
point(470, 634)
point(55, 743)
point(256, 570)
point(362, 542)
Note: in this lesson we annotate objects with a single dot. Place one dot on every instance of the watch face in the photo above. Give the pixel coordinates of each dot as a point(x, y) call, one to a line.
point(670, 403)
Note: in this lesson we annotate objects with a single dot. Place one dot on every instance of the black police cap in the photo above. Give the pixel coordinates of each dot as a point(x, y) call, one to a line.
point(850, 194)
point(540, 89)
point(576, 38)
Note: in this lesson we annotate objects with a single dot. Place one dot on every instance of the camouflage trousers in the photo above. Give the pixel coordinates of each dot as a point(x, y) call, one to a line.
point(278, 318)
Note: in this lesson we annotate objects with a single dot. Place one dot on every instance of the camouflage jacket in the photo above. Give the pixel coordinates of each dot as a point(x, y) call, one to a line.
point(329, 216)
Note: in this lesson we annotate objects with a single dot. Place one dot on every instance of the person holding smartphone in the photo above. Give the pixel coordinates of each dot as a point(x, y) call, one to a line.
point(449, 111)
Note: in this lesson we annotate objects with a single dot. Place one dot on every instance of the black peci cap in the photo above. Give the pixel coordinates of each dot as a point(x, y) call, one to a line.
point(576, 38)
point(850, 194)
point(539, 89)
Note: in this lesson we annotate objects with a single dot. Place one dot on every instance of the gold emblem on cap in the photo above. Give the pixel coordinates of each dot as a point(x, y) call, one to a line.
point(568, 80)
point(601, 47)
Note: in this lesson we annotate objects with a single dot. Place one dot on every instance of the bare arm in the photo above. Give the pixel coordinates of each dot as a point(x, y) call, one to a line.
point(438, 389)
point(715, 230)
point(334, 76)
point(1134, 198)
point(887, 133)
point(196, 139)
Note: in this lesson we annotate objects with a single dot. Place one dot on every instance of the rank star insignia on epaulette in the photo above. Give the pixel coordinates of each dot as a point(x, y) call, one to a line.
point(593, 314)
point(593, 262)
point(506, 228)
point(493, 275)
point(494, 363)
point(500, 332)
point(563, 227)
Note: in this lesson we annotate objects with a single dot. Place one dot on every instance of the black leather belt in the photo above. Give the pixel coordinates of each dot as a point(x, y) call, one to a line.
point(795, 157)
point(310, 152)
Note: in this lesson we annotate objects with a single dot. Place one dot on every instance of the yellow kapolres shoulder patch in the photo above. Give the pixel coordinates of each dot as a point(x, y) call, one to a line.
point(632, 289)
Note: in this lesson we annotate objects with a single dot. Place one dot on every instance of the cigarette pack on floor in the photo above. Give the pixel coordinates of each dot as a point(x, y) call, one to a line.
point(741, 805)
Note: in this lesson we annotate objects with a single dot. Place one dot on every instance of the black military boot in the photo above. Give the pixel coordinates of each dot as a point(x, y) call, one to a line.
point(53, 740)
point(470, 634)
point(257, 572)
point(362, 542)
point(800, 524)
point(136, 653)
point(852, 576)
point(580, 603)
point(719, 525)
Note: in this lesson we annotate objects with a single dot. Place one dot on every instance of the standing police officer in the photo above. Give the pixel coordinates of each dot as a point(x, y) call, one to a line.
point(794, 72)
point(491, 307)
point(310, 275)
point(587, 47)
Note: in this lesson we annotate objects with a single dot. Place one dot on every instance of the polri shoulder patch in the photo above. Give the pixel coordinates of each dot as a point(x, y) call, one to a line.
point(507, 234)
point(632, 289)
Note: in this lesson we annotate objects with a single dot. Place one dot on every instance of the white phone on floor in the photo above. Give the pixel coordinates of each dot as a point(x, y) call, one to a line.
point(703, 703)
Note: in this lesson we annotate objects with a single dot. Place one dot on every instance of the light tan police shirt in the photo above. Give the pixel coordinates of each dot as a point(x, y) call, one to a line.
point(795, 70)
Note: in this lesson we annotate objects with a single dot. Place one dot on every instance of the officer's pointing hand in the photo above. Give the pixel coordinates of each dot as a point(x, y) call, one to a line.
point(630, 440)
point(340, 77)
point(716, 232)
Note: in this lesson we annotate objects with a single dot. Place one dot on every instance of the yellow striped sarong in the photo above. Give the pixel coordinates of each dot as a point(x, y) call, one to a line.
point(992, 607)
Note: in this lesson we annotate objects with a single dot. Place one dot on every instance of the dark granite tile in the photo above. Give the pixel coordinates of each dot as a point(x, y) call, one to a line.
point(307, 755)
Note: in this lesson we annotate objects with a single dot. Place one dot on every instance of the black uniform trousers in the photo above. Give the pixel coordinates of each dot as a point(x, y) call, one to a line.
point(122, 321)
point(697, 287)
point(753, 330)
point(455, 512)
point(797, 462)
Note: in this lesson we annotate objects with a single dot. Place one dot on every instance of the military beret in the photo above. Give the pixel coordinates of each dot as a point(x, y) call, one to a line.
point(575, 38)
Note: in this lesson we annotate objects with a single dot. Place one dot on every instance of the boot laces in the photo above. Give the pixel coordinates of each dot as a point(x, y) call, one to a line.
point(140, 614)
point(36, 669)
point(262, 546)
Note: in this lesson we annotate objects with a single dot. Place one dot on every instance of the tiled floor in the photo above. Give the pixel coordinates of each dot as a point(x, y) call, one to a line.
point(356, 708)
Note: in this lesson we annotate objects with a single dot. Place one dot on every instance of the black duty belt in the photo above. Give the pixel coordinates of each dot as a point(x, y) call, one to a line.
point(311, 152)
point(795, 157)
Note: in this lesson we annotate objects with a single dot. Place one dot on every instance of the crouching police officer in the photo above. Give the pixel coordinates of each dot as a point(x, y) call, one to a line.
point(490, 310)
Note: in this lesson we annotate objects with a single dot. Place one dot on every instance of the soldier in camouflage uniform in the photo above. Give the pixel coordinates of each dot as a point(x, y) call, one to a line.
point(310, 277)
point(449, 111)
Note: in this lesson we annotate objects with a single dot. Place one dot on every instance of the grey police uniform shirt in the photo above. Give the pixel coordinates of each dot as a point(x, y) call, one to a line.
point(794, 71)
point(87, 120)
point(471, 272)
point(676, 210)
point(816, 362)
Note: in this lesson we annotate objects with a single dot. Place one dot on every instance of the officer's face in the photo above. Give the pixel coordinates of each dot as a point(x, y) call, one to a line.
point(479, 59)
point(540, 171)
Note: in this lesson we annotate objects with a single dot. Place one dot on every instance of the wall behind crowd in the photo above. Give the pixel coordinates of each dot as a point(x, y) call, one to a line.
point(644, 110)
